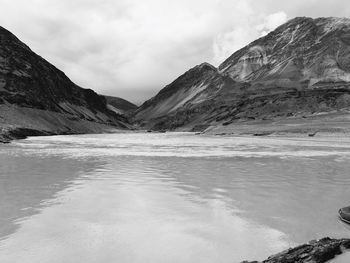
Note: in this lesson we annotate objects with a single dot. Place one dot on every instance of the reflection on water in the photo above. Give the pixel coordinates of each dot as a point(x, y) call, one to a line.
point(26, 181)
point(168, 197)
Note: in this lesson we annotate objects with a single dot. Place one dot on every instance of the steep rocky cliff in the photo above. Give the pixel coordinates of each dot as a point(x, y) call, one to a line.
point(37, 98)
point(300, 69)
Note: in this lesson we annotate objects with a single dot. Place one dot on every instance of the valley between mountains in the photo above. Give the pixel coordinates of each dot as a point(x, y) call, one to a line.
point(294, 80)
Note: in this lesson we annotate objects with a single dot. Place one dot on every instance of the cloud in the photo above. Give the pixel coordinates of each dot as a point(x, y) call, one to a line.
point(122, 47)
point(227, 43)
point(242, 34)
point(133, 48)
point(271, 22)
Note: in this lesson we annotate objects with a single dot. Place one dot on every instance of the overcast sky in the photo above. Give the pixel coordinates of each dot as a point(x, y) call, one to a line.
point(133, 48)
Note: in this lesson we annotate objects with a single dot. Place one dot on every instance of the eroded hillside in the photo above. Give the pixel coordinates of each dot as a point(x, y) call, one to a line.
point(301, 69)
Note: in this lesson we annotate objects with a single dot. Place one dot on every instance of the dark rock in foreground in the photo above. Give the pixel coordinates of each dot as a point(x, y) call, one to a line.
point(314, 252)
point(20, 133)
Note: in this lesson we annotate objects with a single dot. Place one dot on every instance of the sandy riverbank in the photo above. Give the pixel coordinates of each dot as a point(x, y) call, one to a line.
point(328, 124)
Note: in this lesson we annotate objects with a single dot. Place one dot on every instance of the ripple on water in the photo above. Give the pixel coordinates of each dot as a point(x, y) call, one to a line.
point(121, 197)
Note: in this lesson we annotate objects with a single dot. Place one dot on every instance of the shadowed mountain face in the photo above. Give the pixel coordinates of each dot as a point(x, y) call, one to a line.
point(301, 68)
point(119, 105)
point(35, 96)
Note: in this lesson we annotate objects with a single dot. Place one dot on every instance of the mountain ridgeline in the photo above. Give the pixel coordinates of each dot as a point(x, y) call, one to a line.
point(298, 71)
point(37, 99)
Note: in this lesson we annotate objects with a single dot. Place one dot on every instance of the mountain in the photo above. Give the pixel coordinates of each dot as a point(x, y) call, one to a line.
point(37, 98)
point(300, 70)
point(119, 105)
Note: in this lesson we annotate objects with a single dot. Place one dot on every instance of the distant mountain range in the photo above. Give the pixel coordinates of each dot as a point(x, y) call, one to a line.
point(300, 69)
point(297, 78)
point(37, 98)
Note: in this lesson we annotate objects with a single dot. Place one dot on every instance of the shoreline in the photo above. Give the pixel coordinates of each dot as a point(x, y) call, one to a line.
point(332, 124)
point(19, 133)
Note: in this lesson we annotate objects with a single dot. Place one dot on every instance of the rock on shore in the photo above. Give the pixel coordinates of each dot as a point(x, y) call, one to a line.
point(319, 251)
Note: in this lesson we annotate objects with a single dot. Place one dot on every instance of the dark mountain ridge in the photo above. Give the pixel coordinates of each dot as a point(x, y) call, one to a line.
point(36, 96)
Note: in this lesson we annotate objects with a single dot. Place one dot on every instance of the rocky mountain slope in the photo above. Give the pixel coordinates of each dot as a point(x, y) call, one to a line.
point(119, 105)
point(37, 98)
point(299, 70)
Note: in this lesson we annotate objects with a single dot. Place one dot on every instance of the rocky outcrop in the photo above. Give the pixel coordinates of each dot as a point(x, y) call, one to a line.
point(7, 135)
point(304, 51)
point(300, 69)
point(319, 251)
point(36, 96)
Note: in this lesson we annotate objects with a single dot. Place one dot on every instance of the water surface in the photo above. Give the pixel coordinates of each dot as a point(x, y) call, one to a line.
point(172, 197)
